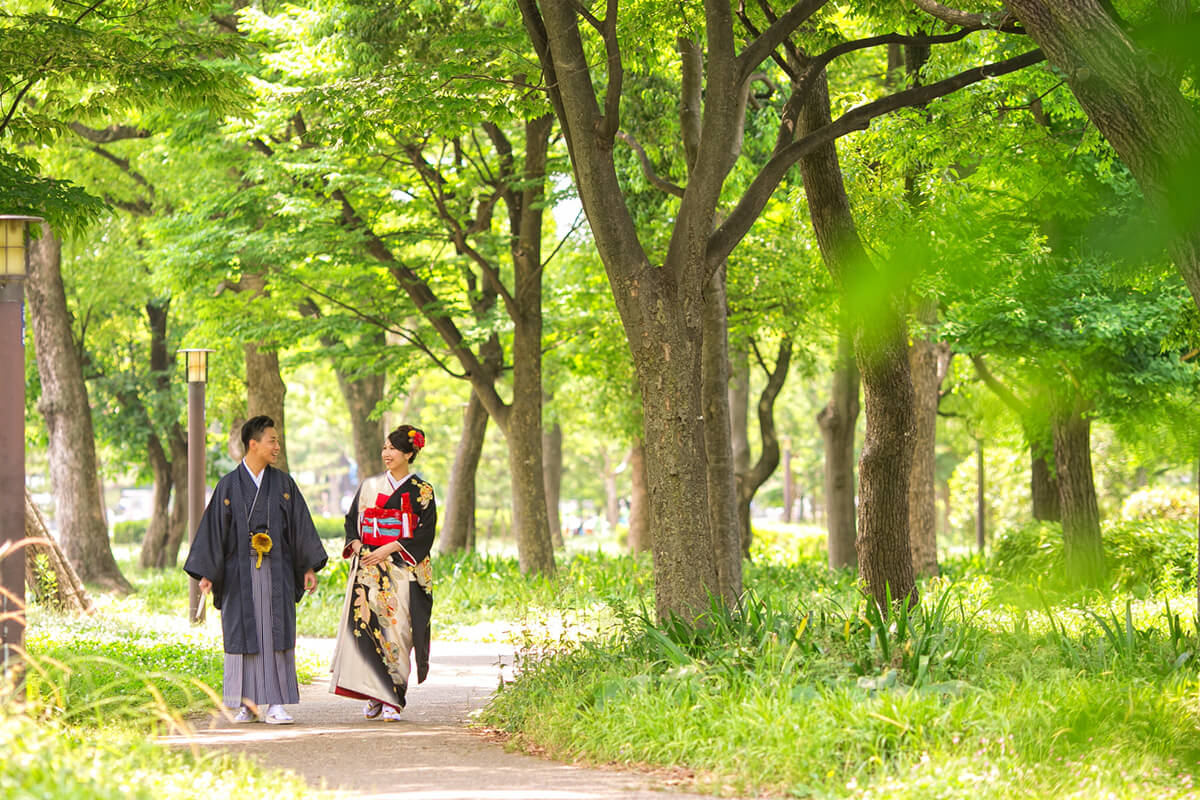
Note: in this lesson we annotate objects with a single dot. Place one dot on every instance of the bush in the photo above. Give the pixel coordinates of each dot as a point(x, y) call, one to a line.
point(330, 527)
point(1139, 555)
point(786, 543)
point(1160, 502)
point(130, 531)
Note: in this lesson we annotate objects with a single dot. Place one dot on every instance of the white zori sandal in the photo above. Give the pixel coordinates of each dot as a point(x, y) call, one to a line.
point(277, 715)
point(372, 708)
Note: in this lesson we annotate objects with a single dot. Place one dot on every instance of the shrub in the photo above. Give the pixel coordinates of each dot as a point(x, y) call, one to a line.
point(330, 527)
point(1160, 502)
point(130, 531)
point(1146, 555)
point(786, 543)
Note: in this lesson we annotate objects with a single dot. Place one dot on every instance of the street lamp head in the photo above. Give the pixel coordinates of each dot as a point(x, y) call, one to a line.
point(197, 364)
point(12, 244)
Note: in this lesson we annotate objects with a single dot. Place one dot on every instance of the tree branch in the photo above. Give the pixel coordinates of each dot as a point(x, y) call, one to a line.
point(1006, 395)
point(779, 32)
point(412, 337)
point(726, 237)
point(655, 179)
point(998, 20)
point(113, 133)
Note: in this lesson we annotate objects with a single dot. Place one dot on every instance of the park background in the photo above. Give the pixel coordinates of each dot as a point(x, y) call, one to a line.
point(941, 263)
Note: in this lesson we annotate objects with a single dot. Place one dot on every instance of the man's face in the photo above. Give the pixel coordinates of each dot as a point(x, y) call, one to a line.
point(266, 447)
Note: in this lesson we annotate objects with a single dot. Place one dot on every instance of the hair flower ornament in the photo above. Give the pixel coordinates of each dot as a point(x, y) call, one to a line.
point(261, 543)
point(417, 438)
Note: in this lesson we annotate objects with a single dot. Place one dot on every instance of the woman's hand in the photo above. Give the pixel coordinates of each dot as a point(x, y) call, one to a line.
point(378, 554)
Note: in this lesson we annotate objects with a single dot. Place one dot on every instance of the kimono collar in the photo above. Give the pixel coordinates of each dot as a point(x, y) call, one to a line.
point(396, 484)
point(256, 478)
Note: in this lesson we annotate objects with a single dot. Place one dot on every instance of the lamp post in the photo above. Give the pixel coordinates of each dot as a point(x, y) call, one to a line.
point(12, 437)
point(197, 376)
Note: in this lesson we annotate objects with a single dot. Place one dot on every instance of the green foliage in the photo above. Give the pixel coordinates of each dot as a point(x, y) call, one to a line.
point(51, 761)
point(1160, 503)
point(1140, 555)
point(959, 697)
point(130, 531)
point(101, 671)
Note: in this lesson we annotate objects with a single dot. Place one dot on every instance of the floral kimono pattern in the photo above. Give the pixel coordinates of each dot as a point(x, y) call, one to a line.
point(386, 612)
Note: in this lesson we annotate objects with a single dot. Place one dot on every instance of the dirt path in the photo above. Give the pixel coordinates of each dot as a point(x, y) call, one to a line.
point(430, 755)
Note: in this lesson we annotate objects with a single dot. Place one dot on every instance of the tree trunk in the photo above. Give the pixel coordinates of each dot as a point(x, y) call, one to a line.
point(535, 549)
point(749, 481)
point(153, 554)
point(362, 395)
point(48, 573)
point(460, 510)
point(160, 548)
point(639, 499)
point(1136, 104)
point(265, 392)
point(552, 443)
point(980, 500)
point(739, 413)
point(739, 405)
point(722, 479)
point(1042, 484)
point(837, 422)
point(1083, 548)
point(611, 498)
point(881, 350)
point(928, 362)
point(789, 483)
point(74, 472)
point(177, 528)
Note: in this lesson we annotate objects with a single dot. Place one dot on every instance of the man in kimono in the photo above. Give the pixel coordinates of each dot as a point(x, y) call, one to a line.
point(257, 551)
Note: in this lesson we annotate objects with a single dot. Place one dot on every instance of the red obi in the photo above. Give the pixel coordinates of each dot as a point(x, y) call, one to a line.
point(380, 526)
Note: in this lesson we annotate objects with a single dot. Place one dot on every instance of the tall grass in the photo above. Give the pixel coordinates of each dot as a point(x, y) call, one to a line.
point(805, 690)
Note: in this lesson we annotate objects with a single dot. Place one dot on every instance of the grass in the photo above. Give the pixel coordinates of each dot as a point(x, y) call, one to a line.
point(805, 691)
point(993, 688)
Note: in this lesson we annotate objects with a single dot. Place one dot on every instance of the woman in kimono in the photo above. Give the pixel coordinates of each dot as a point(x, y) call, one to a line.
point(389, 594)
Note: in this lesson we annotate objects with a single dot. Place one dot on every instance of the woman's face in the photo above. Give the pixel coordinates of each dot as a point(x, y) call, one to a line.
point(393, 459)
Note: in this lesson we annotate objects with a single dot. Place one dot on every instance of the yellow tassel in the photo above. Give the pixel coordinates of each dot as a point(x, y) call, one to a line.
point(261, 542)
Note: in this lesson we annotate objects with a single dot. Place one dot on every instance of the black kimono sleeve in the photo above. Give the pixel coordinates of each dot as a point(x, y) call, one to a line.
point(206, 556)
point(351, 526)
point(424, 504)
point(307, 550)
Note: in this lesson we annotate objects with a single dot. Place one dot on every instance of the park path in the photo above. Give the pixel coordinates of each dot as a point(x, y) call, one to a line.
point(430, 754)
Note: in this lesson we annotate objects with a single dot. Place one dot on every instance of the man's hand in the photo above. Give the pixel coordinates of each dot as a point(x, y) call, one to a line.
point(310, 581)
point(205, 586)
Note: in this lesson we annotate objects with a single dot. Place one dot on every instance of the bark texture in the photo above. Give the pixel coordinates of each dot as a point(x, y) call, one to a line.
point(881, 352)
point(837, 421)
point(718, 449)
point(752, 479)
point(639, 500)
point(929, 361)
point(552, 466)
point(48, 574)
point(460, 505)
point(265, 391)
point(1043, 486)
point(362, 394)
point(523, 424)
point(160, 547)
point(74, 471)
point(1083, 548)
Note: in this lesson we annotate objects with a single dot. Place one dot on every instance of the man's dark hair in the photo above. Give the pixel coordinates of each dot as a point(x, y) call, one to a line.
point(253, 429)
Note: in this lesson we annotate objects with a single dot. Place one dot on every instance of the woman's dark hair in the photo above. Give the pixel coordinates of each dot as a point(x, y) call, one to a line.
point(408, 439)
point(253, 429)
